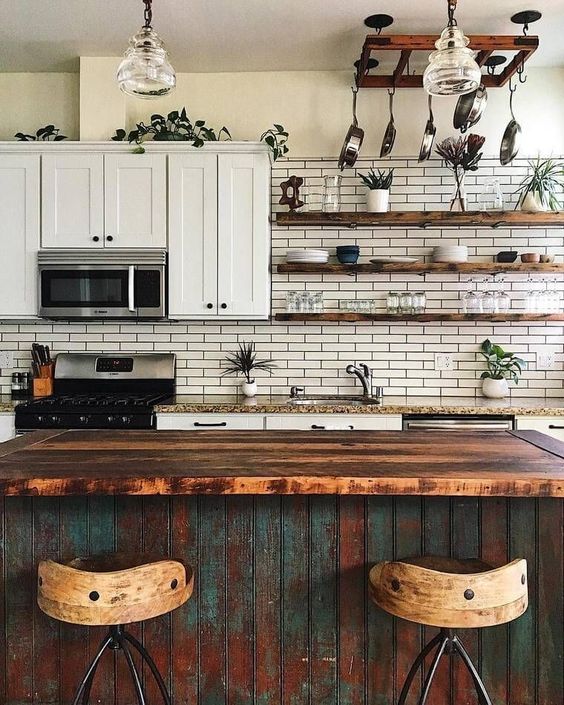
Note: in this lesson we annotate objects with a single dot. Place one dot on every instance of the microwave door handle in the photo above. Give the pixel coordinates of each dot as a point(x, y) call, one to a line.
point(131, 289)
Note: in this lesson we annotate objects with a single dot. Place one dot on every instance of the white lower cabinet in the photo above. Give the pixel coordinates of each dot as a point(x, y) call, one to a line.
point(7, 427)
point(210, 422)
point(334, 422)
point(551, 425)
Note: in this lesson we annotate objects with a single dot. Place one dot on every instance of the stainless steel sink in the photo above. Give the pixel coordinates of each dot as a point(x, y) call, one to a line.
point(331, 400)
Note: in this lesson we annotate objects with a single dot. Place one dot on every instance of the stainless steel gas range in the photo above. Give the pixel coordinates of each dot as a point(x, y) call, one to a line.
point(102, 391)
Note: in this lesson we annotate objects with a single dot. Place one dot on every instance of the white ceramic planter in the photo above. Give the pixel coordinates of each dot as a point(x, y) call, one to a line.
point(532, 202)
point(377, 200)
point(495, 388)
point(249, 389)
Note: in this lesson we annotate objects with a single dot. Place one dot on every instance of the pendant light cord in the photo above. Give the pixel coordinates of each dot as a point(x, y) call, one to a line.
point(148, 13)
point(451, 10)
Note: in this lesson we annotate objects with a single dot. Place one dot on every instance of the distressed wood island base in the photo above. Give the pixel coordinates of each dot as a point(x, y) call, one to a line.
point(280, 613)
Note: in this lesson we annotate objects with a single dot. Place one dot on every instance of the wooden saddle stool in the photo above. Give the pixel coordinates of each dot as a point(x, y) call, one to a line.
point(114, 590)
point(450, 594)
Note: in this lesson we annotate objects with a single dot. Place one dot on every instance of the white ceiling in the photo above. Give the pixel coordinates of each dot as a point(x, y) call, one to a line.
point(246, 35)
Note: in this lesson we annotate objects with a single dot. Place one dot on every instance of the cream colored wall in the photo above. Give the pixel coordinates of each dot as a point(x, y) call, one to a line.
point(31, 100)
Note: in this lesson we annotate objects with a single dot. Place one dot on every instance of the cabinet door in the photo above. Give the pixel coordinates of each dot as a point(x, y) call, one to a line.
point(192, 247)
point(244, 236)
point(135, 200)
point(72, 198)
point(210, 422)
point(19, 234)
point(334, 422)
point(7, 427)
point(551, 425)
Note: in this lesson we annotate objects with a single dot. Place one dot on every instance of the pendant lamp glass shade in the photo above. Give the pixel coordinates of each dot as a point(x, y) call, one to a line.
point(145, 71)
point(452, 69)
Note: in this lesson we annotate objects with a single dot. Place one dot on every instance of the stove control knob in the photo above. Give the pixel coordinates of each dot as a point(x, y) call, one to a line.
point(41, 419)
point(126, 420)
point(110, 419)
point(55, 419)
point(84, 420)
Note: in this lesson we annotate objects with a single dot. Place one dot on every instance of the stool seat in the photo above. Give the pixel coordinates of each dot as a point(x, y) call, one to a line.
point(450, 593)
point(112, 589)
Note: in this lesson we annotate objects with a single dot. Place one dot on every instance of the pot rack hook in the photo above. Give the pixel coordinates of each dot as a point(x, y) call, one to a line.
point(520, 70)
point(392, 91)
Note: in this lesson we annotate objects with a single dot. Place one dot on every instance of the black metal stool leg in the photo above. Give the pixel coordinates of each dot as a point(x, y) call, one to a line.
point(435, 641)
point(134, 673)
point(152, 665)
point(483, 696)
point(432, 670)
point(89, 675)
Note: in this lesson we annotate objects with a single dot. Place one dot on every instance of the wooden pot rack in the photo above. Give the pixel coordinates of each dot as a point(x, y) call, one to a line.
point(485, 46)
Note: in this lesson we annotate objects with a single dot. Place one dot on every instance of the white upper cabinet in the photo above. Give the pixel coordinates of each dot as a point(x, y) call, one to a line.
point(219, 235)
point(72, 200)
point(19, 234)
point(96, 200)
point(135, 200)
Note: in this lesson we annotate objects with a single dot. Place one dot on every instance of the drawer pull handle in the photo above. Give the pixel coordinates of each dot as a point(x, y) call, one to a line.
point(555, 427)
point(209, 425)
point(315, 427)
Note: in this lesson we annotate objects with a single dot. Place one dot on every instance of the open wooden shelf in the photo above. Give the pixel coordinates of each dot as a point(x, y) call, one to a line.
point(430, 316)
point(423, 219)
point(420, 268)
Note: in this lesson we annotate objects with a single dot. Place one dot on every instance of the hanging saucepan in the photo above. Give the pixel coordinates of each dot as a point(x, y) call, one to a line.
point(353, 140)
point(390, 134)
point(469, 108)
point(511, 140)
point(428, 135)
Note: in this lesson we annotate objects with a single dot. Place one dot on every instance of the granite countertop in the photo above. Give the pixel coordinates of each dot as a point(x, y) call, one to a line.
point(392, 405)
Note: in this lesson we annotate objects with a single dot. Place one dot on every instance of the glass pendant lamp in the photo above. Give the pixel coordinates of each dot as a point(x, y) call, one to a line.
point(145, 71)
point(452, 69)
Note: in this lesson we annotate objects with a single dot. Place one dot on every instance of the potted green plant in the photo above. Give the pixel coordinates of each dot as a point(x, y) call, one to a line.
point(542, 188)
point(244, 362)
point(379, 184)
point(501, 366)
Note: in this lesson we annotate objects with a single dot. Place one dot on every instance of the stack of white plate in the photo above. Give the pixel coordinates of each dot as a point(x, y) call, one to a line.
point(454, 254)
point(306, 255)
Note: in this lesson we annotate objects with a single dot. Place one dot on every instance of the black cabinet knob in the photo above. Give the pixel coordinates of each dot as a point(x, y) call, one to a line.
point(209, 305)
point(223, 305)
point(110, 238)
point(96, 238)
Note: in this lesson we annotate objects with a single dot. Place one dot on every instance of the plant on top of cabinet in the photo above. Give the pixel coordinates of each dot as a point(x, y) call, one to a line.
point(501, 366)
point(461, 154)
point(538, 190)
point(43, 134)
point(276, 139)
point(379, 185)
point(243, 362)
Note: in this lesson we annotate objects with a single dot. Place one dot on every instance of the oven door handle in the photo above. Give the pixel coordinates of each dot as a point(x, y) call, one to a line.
point(131, 288)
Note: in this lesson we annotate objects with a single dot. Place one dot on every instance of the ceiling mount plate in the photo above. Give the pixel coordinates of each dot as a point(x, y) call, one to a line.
point(526, 17)
point(372, 64)
point(378, 22)
point(492, 62)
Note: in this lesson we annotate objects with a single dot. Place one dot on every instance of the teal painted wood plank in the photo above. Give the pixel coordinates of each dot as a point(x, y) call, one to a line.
point(295, 601)
point(240, 601)
point(46, 666)
point(436, 542)
point(268, 596)
point(352, 600)
point(380, 658)
point(522, 635)
point(550, 613)
point(494, 640)
point(323, 599)
point(465, 544)
point(211, 596)
point(184, 620)
point(409, 636)
point(73, 646)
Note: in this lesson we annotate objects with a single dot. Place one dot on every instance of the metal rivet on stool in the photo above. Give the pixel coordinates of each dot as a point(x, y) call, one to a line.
point(469, 594)
point(174, 584)
point(522, 580)
point(395, 584)
point(94, 596)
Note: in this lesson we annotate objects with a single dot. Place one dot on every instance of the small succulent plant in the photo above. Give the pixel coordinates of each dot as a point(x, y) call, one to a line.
point(378, 181)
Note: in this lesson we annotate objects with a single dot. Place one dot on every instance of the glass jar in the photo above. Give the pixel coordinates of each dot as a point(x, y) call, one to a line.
point(419, 302)
point(293, 301)
point(392, 302)
point(332, 194)
point(491, 198)
point(316, 299)
point(406, 302)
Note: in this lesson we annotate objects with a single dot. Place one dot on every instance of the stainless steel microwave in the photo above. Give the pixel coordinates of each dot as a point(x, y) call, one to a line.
point(82, 284)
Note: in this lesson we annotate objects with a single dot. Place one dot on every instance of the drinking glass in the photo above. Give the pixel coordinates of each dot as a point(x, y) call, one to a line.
point(489, 302)
point(491, 198)
point(392, 302)
point(419, 302)
point(502, 302)
point(293, 301)
point(332, 194)
point(317, 302)
point(406, 302)
point(313, 198)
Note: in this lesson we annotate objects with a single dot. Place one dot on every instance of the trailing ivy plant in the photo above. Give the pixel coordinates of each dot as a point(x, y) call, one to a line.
point(276, 139)
point(44, 134)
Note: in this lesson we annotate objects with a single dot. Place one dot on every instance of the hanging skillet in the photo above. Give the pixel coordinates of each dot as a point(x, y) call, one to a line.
point(511, 140)
point(428, 135)
point(353, 140)
point(469, 108)
point(390, 133)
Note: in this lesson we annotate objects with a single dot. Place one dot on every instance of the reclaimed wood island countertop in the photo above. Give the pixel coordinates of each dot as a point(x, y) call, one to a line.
point(59, 463)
